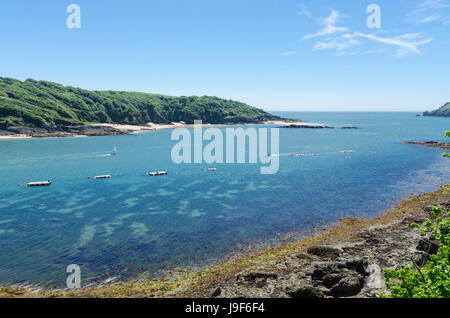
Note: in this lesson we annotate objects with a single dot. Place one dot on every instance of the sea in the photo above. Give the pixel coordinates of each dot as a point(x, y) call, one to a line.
point(134, 224)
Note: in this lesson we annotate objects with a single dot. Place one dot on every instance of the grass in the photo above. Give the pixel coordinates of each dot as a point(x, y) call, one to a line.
point(191, 283)
point(45, 104)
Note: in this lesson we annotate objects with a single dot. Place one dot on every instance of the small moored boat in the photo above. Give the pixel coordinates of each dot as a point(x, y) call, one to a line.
point(39, 184)
point(106, 176)
point(157, 173)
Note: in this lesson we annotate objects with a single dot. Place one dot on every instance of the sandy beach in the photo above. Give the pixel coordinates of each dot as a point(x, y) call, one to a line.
point(15, 137)
point(104, 129)
point(155, 126)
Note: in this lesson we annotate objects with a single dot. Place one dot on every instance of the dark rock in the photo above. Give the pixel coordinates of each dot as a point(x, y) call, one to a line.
point(359, 265)
point(298, 126)
point(374, 241)
point(332, 279)
point(434, 144)
point(217, 292)
point(318, 273)
point(306, 291)
point(6, 133)
point(63, 131)
point(428, 246)
point(347, 286)
point(323, 251)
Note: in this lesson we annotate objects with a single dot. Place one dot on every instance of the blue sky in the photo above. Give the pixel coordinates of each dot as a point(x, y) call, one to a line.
point(274, 54)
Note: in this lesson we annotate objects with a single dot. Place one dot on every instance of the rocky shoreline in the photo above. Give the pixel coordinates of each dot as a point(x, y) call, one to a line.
point(107, 129)
point(433, 144)
point(314, 126)
point(64, 131)
point(340, 269)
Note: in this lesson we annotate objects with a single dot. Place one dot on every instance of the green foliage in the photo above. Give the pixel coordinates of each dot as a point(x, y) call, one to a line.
point(443, 111)
point(44, 104)
point(432, 280)
point(447, 134)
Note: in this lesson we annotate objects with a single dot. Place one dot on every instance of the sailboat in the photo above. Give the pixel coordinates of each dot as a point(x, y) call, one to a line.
point(114, 151)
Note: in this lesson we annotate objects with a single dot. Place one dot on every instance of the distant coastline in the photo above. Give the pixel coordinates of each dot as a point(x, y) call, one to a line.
point(443, 111)
point(102, 129)
point(57, 109)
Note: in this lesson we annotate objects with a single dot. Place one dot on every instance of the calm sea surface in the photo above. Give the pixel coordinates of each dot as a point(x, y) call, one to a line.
point(133, 224)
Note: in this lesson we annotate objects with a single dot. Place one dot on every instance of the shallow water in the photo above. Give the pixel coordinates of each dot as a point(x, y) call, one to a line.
point(131, 223)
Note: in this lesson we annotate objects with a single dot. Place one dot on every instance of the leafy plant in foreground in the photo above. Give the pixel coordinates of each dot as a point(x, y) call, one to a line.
point(433, 279)
point(447, 134)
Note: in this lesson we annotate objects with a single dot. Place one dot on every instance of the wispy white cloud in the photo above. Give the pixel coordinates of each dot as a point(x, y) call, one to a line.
point(288, 53)
point(429, 19)
point(329, 26)
point(428, 11)
point(303, 10)
point(406, 43)
point(339, 43)
point(351, 42)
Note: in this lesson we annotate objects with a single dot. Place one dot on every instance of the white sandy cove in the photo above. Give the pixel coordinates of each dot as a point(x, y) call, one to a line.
point(136, 129)
point(153, 126)
point(19, 136)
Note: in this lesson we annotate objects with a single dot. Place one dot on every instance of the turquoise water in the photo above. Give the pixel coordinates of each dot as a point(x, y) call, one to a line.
point(133, 224)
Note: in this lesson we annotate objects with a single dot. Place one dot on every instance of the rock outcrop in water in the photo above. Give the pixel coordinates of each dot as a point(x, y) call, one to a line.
point(433, 144)
point(307, 126)
point(315, 126)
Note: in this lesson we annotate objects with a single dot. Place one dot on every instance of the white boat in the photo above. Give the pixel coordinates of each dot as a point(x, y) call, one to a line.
point(157, 173)
point(114, 152)
point(106, 176)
